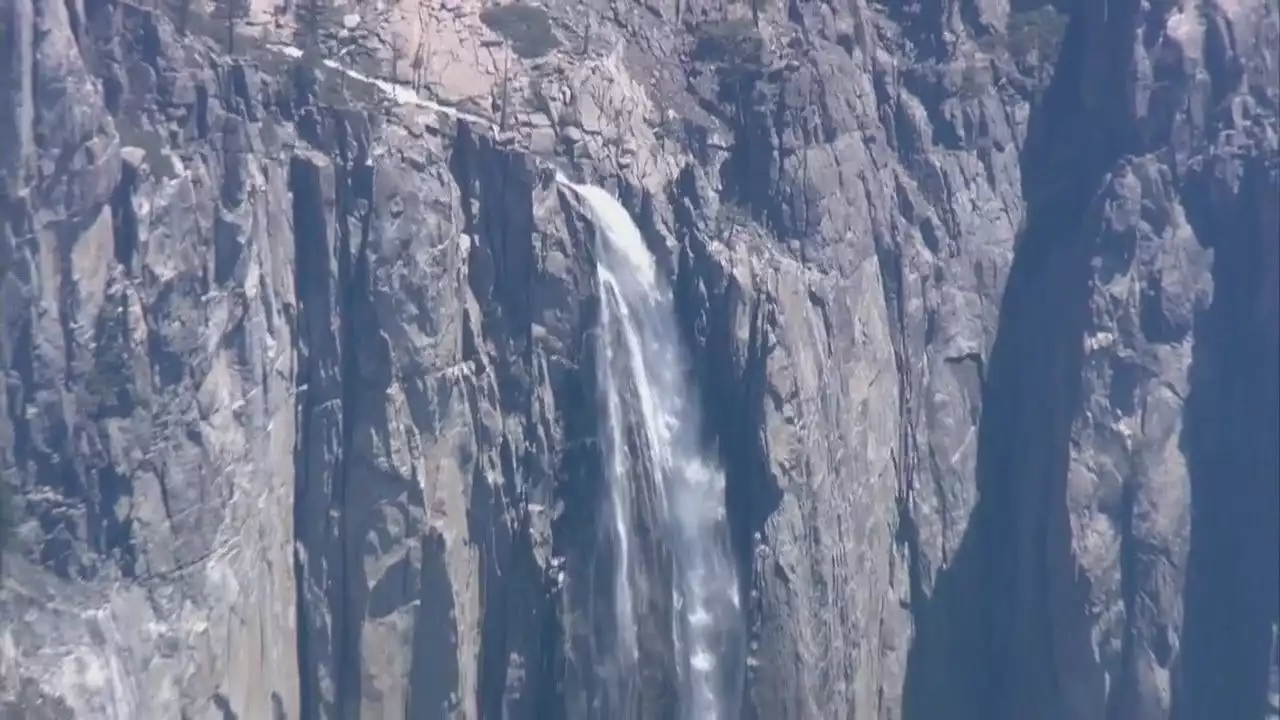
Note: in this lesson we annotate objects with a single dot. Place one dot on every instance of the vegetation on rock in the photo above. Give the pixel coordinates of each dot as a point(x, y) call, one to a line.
point(731, 44)
point(1037, 32)
point(526, 27)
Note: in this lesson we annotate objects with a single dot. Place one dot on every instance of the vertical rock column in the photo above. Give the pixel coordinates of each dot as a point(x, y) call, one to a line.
point(319, 452)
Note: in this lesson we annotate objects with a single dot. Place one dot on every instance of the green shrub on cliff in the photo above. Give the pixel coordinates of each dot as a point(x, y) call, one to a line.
point(526, 27)
point(734, 45)
point(1036, 33)
point(1027, 51)
point(1034, 41)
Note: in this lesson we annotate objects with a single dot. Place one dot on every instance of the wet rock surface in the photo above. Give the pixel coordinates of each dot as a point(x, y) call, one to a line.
point(299, 399)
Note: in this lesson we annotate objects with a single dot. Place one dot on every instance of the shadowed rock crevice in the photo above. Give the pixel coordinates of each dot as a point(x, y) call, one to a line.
point(985, 639)
point(124, 216)
point(515, 490)
point(581, 535)
point(364, 373)
point(434, 679)
point(319, 449)
point(343, 361)
point(1226, 656)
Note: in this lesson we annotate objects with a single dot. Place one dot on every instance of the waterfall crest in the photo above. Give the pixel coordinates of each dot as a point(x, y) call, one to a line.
point(656, 467)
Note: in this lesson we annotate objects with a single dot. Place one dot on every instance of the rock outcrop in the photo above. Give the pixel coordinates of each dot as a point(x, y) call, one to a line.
point(299, 399)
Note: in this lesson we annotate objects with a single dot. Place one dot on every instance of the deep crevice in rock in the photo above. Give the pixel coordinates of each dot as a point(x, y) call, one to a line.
point(1233, 575)
point(983, 648)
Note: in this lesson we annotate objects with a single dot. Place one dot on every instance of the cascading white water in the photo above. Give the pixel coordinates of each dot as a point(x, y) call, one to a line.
point(646, 393)
point(642, 362)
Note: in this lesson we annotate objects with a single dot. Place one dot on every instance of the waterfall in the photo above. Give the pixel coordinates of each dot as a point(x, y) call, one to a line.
point(654, 459)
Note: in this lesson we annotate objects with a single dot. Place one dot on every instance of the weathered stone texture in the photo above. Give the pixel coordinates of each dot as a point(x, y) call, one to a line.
point(299, 399)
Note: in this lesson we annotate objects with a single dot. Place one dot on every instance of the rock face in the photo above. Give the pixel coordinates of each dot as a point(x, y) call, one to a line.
point(299, 399)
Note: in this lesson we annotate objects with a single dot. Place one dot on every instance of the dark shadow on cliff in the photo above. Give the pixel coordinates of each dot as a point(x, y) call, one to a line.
point(982, 649)
point(518, 616)
point(577, 536)
point(1230, 438)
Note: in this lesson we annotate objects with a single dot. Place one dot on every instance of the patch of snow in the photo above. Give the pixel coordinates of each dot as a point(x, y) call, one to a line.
point(402, 94)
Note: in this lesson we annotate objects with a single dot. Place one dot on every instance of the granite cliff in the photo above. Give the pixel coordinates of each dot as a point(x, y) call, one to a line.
point(299, 402)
